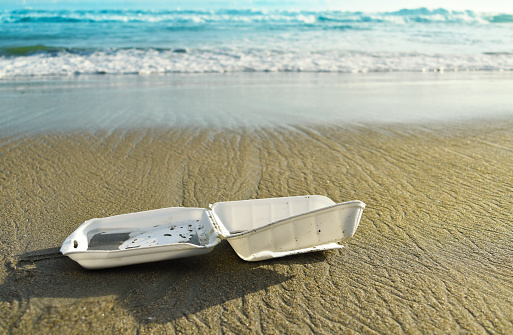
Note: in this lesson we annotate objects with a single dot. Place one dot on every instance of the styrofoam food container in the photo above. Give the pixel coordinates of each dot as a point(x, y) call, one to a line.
point(256, 229)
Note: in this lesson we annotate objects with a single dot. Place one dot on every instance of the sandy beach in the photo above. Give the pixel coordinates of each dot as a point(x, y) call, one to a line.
point(433, 252)
point(120, 106)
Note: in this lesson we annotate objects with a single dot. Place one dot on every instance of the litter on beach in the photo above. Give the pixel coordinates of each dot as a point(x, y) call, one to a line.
point(256, 229)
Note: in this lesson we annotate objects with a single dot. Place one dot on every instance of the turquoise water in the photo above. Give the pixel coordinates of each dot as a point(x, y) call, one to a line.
point(120, 69)
point(63, 43)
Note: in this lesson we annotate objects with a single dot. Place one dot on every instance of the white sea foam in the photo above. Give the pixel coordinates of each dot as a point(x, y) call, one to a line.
point(148, 61)
point(225, 16)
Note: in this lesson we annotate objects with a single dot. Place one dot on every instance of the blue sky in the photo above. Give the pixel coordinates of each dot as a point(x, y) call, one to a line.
point(505, 6)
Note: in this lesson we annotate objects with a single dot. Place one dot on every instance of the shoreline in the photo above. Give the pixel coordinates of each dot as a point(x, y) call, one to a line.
point(432, 253)
point(250, 100)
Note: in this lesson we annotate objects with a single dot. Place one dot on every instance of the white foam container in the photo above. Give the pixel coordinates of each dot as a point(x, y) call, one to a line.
point(256, 229)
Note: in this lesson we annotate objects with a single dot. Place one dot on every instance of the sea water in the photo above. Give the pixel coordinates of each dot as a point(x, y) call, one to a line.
point(39, 42)
point(111, 69)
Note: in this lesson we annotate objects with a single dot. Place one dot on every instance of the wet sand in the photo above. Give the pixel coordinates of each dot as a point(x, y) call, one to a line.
point(433, 253)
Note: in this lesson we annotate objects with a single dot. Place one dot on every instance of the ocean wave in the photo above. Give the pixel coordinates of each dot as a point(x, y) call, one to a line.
point(117, 42)
point(31, 50)
point(403, 16)
point(66, 62)
point(110, 16)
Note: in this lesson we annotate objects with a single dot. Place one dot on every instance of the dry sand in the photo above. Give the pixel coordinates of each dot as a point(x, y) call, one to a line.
point(433, 253)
